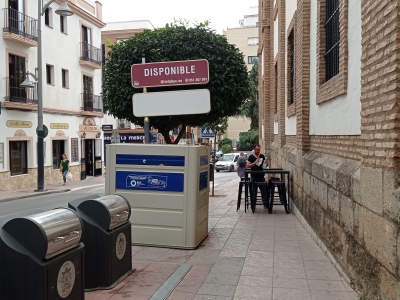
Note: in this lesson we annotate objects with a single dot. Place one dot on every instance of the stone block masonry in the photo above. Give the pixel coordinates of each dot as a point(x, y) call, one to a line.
point(343, 202)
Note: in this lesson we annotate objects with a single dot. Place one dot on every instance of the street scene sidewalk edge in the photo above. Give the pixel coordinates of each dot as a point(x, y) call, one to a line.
point(48, 192)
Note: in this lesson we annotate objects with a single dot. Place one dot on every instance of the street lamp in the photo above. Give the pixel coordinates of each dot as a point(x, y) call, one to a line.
point(27, 83)
point(65, 11)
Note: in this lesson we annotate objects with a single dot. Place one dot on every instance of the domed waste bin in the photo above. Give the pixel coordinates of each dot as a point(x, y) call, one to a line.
point(42, 256)
point(107, 239)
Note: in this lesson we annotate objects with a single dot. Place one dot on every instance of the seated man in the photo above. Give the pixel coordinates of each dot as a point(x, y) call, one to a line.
point(255, 163)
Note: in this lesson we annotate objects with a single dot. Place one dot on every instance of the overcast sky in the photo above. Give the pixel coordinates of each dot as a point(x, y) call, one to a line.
point(221, 13)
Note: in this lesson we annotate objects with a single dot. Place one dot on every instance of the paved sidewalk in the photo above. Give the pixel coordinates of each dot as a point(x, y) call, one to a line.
point(51, 189)
point(245, 256)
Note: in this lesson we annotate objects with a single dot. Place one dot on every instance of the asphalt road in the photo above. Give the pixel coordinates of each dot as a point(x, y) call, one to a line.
point(52, 201)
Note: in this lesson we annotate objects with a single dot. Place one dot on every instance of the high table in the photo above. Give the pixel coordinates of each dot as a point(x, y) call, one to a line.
point(281, 172)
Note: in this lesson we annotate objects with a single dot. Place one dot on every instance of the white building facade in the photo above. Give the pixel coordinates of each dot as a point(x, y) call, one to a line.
point(72, 59)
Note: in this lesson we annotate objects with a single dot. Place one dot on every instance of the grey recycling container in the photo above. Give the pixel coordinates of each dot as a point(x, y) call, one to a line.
point(42, 256)
point(107, 239)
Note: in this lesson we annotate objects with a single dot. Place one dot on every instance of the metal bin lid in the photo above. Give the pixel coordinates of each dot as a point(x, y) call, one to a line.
point(107, 212)
point(48, 233)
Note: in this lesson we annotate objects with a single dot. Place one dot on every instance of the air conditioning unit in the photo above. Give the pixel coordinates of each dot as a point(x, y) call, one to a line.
point(122, 125)
point(241, 22)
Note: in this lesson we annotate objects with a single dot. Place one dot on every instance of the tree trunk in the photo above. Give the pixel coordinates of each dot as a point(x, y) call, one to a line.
point(165, 133)
point(180, 134)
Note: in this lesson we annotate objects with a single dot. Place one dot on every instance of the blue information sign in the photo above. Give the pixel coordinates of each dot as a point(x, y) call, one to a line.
point(207, 132)
point(203, 181)
point(149, 181)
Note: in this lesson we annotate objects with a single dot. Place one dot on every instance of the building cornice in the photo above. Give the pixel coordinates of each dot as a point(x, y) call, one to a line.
point(82, 13)
point(123, 31)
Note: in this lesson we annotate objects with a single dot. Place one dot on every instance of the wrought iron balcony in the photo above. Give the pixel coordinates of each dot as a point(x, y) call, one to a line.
point(15, 93)
point(90, 56)
point(91, 102)
point(19, 27)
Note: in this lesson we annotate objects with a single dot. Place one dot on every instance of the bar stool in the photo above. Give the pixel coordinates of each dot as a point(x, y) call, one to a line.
point(263, 185)
point(242, 184)
point(280, 185)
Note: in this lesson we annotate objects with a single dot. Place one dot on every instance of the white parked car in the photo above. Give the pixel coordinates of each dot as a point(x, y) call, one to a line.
point(228, 162)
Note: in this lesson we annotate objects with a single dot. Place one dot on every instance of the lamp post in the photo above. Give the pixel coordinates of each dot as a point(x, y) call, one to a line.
point(65, 11)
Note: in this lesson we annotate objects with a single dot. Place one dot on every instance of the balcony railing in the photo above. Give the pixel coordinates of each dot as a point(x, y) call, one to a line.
point(19, 23)
point(91, 102)
point(15, 93)
point(90, 53)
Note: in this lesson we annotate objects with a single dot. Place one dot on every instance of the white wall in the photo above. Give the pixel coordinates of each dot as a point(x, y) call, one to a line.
point(275, 37)
point(291, 6)
point(262, 62)
point(340, 116)
point(54, 40)
point(276, 127)
point(71, 132)
point(290, 125)
point(251, 21)
point(291, 122)
point(62, 51)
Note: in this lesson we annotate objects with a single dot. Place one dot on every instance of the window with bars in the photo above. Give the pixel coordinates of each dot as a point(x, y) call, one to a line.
point(332, 33)
point(291, 68)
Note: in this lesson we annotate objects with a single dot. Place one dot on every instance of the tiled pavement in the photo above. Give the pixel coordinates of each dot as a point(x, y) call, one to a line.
point(245, 256)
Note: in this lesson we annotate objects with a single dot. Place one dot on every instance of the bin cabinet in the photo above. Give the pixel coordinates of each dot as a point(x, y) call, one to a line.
point(167, 187)
point(42, 256)
point(107, 240)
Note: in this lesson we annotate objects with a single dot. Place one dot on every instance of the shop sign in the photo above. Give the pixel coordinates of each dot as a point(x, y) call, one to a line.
point(59, 125)
point(19, 124)
point(88, 128)
point(130, 137)
point(170, 73)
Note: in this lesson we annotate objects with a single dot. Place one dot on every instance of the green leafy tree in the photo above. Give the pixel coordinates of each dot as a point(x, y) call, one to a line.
point(249, 108)
point(229, 85)
point(226, 149)
point(225, 141)
point(248, 139)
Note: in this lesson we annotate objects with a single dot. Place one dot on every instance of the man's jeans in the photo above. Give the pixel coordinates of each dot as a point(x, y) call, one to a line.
point(263, 189)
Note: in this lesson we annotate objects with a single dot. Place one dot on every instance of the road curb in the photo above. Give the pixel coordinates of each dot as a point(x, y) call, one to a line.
point(49, 192)
point(86, 187)
point(35, 194)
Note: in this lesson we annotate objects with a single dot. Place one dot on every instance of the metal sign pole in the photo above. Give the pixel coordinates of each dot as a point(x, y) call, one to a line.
point(146, 119)
point(215, 157)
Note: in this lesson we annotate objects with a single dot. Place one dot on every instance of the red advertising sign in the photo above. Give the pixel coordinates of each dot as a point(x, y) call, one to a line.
point(170, 73)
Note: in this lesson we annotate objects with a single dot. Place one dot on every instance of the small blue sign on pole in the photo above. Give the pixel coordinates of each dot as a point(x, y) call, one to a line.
point(207, 132)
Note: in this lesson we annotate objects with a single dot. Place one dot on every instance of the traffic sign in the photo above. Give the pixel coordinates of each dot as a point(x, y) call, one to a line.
point(42, 133)
point(170, 73)
point(207, 132)
point(107, 127)
point(186, 102)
